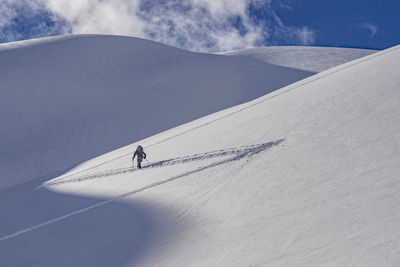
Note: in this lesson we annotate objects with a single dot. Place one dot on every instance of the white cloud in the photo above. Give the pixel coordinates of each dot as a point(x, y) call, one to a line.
point(197, 25)
point(372, 28)
point(7, 14)
point(16, 16)
point(294, 35)
point(203, 25)
point(305, 36)
point(97, 16)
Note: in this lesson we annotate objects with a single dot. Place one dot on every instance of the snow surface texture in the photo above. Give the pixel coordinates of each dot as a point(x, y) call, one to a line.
point(309, 58)
point(64, 100)
point(304, 176)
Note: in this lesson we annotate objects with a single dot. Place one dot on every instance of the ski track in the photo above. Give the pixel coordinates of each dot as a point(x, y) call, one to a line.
point(56, 219)
point(238, 152)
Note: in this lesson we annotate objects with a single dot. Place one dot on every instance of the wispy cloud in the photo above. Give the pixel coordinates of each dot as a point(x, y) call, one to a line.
point(197, 25)
point(24, 19)
point(203, 25)
point(305, 35)
point(291, 34)
point(371, 27)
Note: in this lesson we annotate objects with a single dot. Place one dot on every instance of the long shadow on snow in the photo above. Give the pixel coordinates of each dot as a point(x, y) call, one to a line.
point(113, 234)
point(238, 153)
point(77, 231)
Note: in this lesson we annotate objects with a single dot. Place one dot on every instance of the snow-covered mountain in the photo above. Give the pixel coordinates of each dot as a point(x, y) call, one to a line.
point(306, 175)
point(64, 100)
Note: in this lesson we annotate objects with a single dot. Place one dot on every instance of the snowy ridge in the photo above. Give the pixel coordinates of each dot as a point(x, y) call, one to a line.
point(308, 58)
point(34, 42)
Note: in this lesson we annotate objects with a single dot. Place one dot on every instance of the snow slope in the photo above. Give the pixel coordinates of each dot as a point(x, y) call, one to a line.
point(304, 176)
point(310, 58)
point(64, 100)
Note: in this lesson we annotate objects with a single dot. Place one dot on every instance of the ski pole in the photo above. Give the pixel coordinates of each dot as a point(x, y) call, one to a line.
point(147, 161)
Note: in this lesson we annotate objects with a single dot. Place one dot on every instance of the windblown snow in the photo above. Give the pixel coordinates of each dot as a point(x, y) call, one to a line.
point(310, 58)
point(306, 175)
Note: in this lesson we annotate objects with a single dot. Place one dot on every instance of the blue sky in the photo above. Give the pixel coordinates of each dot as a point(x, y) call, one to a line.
point(210, 25)
point(351, 23)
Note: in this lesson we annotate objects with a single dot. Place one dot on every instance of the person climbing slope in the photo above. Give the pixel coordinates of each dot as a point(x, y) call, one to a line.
point(140, 156)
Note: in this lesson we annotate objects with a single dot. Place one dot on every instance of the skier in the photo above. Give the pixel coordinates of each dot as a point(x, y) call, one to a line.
point(140, 156)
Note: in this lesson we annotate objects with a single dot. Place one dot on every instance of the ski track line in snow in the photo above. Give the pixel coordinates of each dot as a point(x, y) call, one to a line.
point(239, 154)
point(241, 151)
point(269, 96)
point(55, 220)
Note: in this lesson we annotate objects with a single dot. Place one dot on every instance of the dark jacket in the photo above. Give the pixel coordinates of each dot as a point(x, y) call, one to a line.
point(140, 155)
